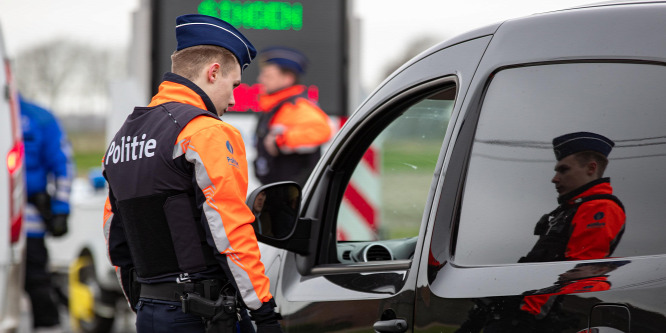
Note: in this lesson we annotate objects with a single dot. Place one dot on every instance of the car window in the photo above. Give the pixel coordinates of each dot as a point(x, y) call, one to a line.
point(388, 190)
point(508, 184)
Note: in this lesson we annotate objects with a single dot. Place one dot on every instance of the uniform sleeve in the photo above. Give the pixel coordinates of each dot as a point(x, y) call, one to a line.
point(540, 305)
point(303, 127)
point(116, 244)
point(537, 305)
point(595, 226)
point(57, 155)
point(220, 167)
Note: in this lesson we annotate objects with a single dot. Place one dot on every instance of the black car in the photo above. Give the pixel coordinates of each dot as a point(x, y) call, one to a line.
point(416, 217)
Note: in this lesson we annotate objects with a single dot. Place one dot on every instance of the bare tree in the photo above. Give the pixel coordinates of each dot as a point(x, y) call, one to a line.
point(67, 76)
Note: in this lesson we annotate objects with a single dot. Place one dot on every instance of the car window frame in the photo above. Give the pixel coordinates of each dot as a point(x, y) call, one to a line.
point(343, 163)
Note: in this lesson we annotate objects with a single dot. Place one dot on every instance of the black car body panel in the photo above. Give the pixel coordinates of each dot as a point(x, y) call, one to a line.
point(486, 105)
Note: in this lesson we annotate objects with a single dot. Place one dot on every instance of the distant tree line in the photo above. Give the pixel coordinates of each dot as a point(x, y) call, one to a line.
point(68, 77)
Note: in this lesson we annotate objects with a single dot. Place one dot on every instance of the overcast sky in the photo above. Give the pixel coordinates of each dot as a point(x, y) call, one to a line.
point(387, 25)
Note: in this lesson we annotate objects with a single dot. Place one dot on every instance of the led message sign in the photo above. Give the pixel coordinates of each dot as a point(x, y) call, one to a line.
point(315, 27)
point(270, 15)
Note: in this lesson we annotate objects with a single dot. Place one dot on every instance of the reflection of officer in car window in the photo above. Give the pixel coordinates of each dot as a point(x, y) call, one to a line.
point(583, 278)
point(589, 221)
point(540, 310)
point(260, 221)
point(587, 224)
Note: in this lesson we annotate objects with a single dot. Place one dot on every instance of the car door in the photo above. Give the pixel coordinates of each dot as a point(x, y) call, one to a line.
point(369, 200)
point(497, 181)
point(498, 186)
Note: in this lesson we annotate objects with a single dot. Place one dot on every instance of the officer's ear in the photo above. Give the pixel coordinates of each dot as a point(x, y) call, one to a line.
point(291, 77)
point(213, 73)
point(592, 168)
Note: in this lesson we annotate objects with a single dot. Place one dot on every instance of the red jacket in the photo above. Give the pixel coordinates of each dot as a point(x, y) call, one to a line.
point(302, 125)
point(592, 232)
point(299, 128)
point(596, 225)
point(588, 224)
point(538, 305)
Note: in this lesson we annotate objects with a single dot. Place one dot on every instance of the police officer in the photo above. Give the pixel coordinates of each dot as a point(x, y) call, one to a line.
point(176, 220)
point(589, 221)
point(48, 159)
point(291, 128)
point(587, 224)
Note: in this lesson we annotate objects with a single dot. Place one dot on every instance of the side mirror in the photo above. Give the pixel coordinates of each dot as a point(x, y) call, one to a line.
point(276, 208)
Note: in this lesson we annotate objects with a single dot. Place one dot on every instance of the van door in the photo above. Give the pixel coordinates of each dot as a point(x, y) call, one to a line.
point(497, 185)
point(370, 199)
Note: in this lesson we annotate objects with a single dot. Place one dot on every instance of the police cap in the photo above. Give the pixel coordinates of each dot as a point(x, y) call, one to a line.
point(572, 143)
point(197, 29)
point(286, 58)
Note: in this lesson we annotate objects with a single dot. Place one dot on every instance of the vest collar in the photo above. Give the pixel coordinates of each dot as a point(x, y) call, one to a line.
point(175, 88)
point(599, 186)
point(269, 101)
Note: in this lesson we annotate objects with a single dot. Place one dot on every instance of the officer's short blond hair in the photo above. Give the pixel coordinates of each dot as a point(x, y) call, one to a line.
point(189, 62)
point(588, 156)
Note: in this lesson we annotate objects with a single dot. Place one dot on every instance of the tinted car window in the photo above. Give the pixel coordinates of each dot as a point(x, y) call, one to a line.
point(508, 183)
point(388, 190)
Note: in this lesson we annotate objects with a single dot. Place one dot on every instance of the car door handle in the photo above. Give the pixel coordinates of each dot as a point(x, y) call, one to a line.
point(390, 326)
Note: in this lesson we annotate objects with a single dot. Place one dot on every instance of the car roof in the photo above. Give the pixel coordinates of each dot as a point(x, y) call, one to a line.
point(616, 2)
point(492, 28)
point(538, 27)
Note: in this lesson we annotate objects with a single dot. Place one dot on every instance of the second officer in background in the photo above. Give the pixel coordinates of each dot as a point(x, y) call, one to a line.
point(176, 213)
point(49, 170)
point(291, 128)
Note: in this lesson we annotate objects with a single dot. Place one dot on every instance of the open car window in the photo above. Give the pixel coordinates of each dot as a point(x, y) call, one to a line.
point(381, 210)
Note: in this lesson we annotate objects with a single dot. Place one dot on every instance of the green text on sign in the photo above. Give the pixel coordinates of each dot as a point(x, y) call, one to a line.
point(260, 15)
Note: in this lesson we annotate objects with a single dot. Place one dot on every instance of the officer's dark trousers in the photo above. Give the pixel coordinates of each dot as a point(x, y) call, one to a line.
point(155, 316)
point(38, 284)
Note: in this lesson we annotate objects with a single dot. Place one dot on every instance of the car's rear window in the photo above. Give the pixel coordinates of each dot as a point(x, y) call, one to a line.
point(508, 184)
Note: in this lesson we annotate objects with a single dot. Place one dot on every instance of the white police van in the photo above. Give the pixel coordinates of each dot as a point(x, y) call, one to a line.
point(12, 199)
point(416, 216)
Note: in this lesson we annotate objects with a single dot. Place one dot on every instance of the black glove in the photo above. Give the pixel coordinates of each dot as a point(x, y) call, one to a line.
point(42, 202)
point(57, 226)
point(266, 318)
point(273, 328)
point(246, 322)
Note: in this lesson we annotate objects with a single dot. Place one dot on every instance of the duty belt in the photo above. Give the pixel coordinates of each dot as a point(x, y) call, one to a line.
point(171, 291)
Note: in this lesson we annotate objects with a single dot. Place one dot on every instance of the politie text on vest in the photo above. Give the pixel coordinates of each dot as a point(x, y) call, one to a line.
point(127, 149)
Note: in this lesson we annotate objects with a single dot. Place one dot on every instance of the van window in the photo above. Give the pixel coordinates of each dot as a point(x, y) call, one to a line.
point(389, 187)
point(508, 184)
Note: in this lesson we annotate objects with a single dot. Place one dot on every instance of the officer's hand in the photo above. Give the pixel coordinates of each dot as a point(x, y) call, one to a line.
point(271, 145)
point(266, 318)
point(58, 225)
